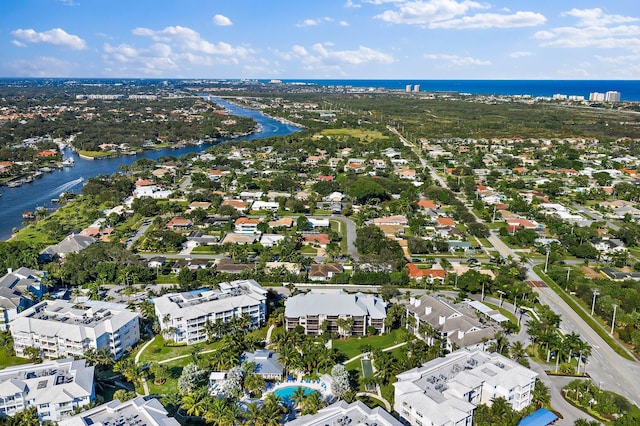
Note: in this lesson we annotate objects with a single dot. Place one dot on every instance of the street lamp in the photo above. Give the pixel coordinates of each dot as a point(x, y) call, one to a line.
point(593, 304)
point(566, 285)
point(501, 294)
point(546, 262)
point(613, 321)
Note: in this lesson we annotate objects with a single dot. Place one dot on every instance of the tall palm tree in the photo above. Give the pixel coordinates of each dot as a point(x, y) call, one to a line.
point(252, 415)
point(195, 404)
point(541, 395)
point(517, 350)
point(312, 403)
point(298, 397)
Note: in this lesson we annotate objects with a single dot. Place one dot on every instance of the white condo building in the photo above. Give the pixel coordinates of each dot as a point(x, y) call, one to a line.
point(135, 412)
point(612, 97)
point(317, 312)
point(183, 316)
point(61, 328)
point(445, 391)
point(56, 388)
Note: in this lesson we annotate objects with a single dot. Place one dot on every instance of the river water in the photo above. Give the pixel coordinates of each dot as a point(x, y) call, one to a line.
point(39, 193)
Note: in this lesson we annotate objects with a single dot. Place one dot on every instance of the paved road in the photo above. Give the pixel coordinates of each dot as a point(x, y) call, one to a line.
point(139, 233)
point(351, 236)
point(595, 216)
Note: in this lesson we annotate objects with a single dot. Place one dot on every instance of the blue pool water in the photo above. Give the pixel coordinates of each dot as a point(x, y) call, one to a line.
point(286, 392)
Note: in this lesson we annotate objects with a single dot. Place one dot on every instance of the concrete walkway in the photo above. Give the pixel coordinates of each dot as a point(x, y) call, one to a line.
point(386, 403)
point(267, 339)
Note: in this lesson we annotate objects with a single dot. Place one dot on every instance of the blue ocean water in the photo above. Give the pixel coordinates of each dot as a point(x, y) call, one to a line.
point(629, 89)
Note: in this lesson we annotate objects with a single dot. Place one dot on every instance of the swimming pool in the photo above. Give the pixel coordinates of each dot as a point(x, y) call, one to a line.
point(286, 392)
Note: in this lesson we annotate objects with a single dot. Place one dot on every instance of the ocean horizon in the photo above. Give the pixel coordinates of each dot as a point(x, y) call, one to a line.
point(629, 89)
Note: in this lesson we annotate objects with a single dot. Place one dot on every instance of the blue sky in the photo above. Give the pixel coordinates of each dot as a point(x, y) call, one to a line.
point(318, 39)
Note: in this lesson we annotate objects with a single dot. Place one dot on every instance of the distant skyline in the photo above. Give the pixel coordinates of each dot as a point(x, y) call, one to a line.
point(326, 39)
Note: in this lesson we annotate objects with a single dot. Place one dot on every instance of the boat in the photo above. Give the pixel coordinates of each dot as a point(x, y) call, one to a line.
point(15, 183)
point(68, 162)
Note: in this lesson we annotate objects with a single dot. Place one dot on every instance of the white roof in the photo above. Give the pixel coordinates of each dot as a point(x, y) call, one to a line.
point(189, 305)
point(335, 303)
point(72, 321)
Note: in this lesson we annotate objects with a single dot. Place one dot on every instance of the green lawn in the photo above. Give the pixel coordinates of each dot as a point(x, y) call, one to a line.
point(351, 347)
point(171, 384)
point(157, 351)
point(309, 251)
point(340, 227)
point(9, 361)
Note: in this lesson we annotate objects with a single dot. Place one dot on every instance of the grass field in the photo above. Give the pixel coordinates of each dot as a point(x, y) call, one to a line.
point(363, 135)
point(351, 347)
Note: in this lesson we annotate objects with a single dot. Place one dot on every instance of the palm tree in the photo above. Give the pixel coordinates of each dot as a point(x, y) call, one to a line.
point(500, 407)
point(195, 404)
point(517, 350)
point(298, 397)
point(252, 416)
point(312, 403)
point(541, 395)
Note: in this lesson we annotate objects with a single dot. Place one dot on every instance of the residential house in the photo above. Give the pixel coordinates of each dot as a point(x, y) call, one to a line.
point(245, 225)
point(431, 274)
point(265, 205)
point(317, 312)
point(324, 271)
point(235, 238)
point(391, 220)
point(179, 224)
point(239, 205)
point(321, 240)
point(608, 246)
point(60, 328)
point(71, 244)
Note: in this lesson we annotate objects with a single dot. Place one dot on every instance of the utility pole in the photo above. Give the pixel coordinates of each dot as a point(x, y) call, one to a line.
point(593, 304)
point(613, 321)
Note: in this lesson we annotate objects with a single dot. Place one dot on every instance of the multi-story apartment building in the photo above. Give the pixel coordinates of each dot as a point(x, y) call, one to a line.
point(135, 412)
point(445, 391)
point(458, 326)
point(320, 312)
point(184, 316)
point(341, 413)
point(18, 289)
point(56, 388)
point(60, 328)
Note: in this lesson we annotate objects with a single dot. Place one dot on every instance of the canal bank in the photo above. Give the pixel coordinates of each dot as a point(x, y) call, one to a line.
point(40, 192)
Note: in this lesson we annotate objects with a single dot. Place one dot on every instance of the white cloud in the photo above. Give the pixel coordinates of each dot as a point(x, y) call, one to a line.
point(41, 66)
point(520, 54)
point(428, 12)
point(314, 22)
point(18, 43)
point(321, 59)
point(69, 3)
point(597, 17)
point(492, 20)
point(457, 60)
point(593, 29)
point(454, 14)
point(189, 40)
point(344, 24)
point(352, 5)
point(55, 36)
point(222, 21)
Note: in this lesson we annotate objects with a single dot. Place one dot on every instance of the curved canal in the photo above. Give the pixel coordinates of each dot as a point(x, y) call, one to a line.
point(39, 193)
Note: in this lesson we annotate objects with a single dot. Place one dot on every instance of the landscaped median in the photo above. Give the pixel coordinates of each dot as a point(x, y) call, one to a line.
point(580, 310)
